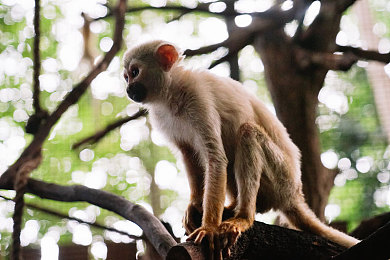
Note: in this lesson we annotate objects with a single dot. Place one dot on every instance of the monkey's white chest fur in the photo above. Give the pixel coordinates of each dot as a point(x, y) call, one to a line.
point(175, 128)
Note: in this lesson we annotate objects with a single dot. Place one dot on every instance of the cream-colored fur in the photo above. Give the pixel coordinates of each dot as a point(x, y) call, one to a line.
point(231, 145)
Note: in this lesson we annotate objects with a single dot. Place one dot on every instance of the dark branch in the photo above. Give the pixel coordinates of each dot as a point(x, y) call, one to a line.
point(100, 134)
point(343, 5)
point(305, 59)
point(366, 54)
point(264, 241)
point(36, 120)
point(271, 13)
point(36, 57)
point(152, 227)
point(376, 246)
point(64, 216)
point(369, 226)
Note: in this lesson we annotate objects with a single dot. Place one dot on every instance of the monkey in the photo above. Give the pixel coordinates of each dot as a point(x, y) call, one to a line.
point(232, 146)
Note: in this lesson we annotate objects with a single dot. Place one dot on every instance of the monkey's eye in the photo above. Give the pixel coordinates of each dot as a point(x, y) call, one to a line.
point(134, 72)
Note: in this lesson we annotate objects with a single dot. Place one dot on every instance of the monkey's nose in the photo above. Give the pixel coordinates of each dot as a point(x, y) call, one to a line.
point(136, 91)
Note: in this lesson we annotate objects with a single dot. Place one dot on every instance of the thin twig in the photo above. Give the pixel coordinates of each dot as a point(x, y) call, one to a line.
point(37, 58)
point(100, 134)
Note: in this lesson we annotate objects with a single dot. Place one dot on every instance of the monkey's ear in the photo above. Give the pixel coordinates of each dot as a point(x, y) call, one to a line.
point(167, 55)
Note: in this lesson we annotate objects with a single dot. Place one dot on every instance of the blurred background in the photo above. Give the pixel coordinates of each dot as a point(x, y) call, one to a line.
point(133, 160)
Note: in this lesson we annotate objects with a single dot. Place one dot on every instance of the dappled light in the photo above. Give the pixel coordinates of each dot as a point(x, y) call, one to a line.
point(134, 161)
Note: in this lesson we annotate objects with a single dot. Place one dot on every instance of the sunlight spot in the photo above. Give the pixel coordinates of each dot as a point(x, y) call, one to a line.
point(165, 174)
point(82, 235)
point(342, 38)
point(158, 138)
point(382, 196)
point(49, 82)
point(312, 12)
point(20, 115)
point(340, 180)
point(344, 164)
point(350, 174)
point(383, 177)
point(332, 211)
point(287, 5)
point(329, 159)
point(106, 44)
point(243, 20)
point(99, 249)
point(363, 164)
point(29, 233)
point(213, 29)
point(96, 179)
point(49, 248)
point(217, 7)
point(86, 155)
point(247, 6)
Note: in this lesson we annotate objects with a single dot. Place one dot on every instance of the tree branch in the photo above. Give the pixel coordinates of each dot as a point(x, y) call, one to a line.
point(64, 216)
point(366, 54)
point(271, 13)
point(376, 246)
point(305, 59)
point(100, 134)
point(152, 227)
point(266, 242)
point(36, 57)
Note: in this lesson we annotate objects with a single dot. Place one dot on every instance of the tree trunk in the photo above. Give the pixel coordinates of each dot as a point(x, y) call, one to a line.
point(295, 96)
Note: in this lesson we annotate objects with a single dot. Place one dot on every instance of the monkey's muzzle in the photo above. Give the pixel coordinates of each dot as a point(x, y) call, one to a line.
point(136, 91)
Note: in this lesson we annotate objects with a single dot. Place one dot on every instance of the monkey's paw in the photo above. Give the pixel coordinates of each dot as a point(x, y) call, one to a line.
point(211, 237)
point(192, 218)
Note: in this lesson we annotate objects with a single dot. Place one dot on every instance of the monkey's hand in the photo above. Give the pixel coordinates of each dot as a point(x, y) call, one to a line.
point(192, 218)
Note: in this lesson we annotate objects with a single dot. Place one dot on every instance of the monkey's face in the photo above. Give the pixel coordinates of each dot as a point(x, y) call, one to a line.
point(146, 70)
point(136, 90)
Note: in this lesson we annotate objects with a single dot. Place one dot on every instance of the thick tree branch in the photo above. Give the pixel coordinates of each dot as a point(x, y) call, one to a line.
point(329, 61)
point(369, 226)
point(100, 134)
point(36, 145)
point(264, 241)
point(376, 246)
point(64, 216)
point(152, 227)
point(366, 54)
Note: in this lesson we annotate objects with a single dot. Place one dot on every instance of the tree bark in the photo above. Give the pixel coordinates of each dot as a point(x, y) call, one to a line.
point(264, 242)
point(295, 97)
point(294, 84)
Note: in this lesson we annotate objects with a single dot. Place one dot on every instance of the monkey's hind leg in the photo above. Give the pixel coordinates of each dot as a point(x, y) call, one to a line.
point(303, 217)
point(248, 165)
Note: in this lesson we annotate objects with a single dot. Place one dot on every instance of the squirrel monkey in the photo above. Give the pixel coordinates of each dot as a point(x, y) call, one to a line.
point(232, 146)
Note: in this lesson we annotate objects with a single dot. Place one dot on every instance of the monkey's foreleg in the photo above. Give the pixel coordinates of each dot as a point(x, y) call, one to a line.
point(195, 174)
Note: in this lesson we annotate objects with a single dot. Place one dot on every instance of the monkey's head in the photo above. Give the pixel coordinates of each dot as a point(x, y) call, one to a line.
point(147, 70)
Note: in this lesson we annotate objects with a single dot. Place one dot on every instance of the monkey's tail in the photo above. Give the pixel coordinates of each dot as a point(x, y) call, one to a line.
point(303, 217)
